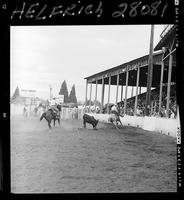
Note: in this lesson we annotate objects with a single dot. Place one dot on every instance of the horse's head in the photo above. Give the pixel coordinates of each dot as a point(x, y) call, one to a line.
point(42, 116)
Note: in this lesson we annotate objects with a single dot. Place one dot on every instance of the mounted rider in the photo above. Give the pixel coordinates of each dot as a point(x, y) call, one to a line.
point(114, 109)
point(53, 106)
point(114, 117)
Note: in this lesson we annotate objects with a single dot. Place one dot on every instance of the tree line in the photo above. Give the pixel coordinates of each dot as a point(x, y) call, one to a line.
point(71, 98)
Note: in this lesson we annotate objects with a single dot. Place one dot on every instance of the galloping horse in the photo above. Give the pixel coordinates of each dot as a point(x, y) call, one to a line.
point(50, 115)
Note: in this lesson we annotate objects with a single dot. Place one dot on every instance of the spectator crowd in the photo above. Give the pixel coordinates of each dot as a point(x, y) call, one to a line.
point(141, 104)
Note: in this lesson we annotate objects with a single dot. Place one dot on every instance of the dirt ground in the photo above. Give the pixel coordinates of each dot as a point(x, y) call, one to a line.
point(70, 159)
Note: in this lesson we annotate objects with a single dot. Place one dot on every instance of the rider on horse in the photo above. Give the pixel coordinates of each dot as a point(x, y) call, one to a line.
point(53, 107)
point(115, 115)
point(114, 109)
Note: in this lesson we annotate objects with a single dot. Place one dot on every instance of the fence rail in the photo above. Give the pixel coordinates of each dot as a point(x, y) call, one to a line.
point(72, 113)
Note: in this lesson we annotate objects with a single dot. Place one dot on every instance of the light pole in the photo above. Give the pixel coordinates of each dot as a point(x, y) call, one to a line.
point(150, 73)
point(50, 87)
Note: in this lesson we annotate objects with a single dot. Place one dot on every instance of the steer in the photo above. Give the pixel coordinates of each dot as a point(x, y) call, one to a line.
point(89, 119)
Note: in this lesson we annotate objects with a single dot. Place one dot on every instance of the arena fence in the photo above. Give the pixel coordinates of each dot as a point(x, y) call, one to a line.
point(18, 110)
point(72, 113)
point(166, 126)
point(66, 113)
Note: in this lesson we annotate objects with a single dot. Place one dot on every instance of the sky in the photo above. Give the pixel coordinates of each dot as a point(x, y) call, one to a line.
point(48, 55)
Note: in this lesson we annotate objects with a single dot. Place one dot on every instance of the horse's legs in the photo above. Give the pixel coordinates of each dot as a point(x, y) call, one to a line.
point(49, 124)
point(59, 122)
point(120, 122)
point(84, 124)
point(114, 124)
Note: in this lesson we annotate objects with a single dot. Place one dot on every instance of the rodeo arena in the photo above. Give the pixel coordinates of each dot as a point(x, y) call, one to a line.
point(126, 147)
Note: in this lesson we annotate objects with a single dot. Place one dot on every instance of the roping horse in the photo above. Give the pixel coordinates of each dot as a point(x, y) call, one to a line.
point(115, 119)
point(50, 115)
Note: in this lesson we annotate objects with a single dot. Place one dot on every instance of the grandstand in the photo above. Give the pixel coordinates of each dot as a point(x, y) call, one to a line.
point(141, 103)
point(135, 74)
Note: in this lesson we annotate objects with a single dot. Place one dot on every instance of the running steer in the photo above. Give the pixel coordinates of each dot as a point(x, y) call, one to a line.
point(89, 119)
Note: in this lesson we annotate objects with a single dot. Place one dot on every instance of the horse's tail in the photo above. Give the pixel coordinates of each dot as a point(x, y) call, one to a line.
point(42, 116)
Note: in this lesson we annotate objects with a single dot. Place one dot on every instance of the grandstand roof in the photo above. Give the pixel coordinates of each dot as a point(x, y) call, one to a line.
point(166, 36)
point(132, 65)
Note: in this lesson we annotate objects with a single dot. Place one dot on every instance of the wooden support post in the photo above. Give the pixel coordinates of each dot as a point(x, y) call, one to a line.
point(90, 97)
point(117, 86)
point(102, 97)
point(126, 89)
point(122, 93)
point(137, 85)
point(161, 85)
point(169, 84)
point(150, 72)
point(132, 91)
point(109, 94)
point(96, 93)
point(155, 108)
point(151, 108)
point(139, 90)
point(86, 93)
